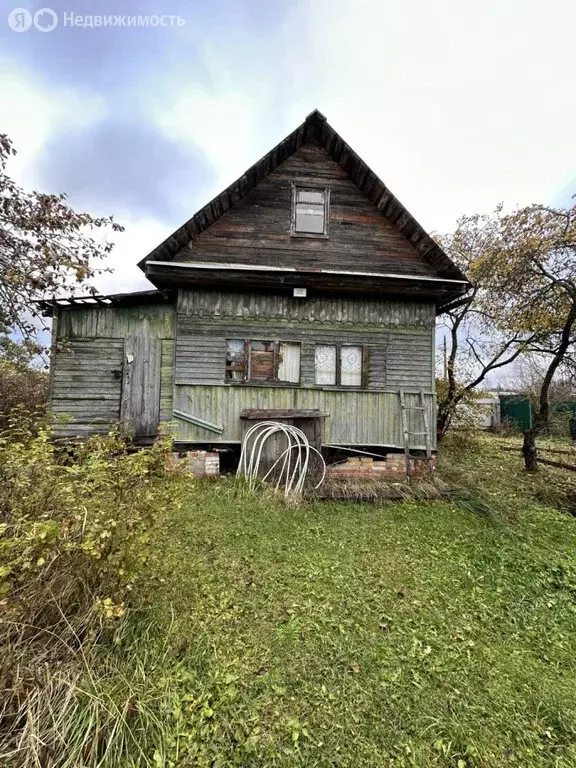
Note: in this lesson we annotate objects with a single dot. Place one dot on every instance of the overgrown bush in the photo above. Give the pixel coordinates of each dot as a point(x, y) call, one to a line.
point(467, 414)
point(75, 530)
point(21, 387)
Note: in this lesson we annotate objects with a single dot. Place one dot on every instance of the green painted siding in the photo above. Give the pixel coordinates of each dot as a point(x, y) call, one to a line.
point(394, 358)
point(397, 338)
point(358, 417)
point(85, 391)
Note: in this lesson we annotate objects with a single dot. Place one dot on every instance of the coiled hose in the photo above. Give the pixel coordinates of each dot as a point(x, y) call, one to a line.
point(293, 462)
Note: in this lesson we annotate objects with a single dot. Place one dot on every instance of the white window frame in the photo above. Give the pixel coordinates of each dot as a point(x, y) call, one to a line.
point(300, 186)
point(338, 372)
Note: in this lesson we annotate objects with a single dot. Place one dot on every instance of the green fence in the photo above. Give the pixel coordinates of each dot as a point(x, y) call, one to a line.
point(567, 407)
point(517, 411)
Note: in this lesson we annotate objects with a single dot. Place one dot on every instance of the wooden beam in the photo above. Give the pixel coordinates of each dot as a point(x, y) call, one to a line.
point(560, 464)
point(285, 413)
point(549, 462)
point(198, 422)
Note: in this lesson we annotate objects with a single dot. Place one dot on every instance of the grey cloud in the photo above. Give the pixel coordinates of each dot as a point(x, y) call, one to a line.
point(123, 162)
point(114, 59)
point(124, 166)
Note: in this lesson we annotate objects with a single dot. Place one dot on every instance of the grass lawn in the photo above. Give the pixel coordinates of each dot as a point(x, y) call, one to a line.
point(346, 634)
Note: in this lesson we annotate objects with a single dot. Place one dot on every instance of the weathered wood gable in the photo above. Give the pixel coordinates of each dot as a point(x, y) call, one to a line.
point(257, 230)
point(250, 218)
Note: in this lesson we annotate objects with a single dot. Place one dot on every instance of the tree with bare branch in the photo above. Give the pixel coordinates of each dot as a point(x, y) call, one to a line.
point(480, 340)
point(530, 271)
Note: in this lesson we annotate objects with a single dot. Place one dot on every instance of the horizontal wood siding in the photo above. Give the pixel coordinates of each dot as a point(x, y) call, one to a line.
point(89, 347)
point(397, 338)
point(257, 229)
point(410, 360)
point(200, 354)
point(377, 367)
point(355, 417)
point(402, 357)
point(85, 388)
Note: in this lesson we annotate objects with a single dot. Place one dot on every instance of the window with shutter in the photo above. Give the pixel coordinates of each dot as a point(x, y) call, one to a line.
point(261, 361)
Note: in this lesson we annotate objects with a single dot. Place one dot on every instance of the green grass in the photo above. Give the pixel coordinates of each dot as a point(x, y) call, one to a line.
point(342, 634)
point(413, 633)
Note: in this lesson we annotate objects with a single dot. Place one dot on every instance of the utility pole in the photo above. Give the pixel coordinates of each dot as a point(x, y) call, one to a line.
point(445, 359)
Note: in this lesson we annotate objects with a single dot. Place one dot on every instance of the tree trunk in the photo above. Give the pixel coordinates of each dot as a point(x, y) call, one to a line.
point(446, 408)
point(544, 399)
point(529, 451)
point(541, 421)
point(442, 423)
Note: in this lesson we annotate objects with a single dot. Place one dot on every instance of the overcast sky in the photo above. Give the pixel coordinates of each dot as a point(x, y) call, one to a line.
point(455, 105)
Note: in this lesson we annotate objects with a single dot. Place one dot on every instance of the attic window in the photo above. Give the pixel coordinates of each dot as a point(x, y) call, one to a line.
point(310, 211)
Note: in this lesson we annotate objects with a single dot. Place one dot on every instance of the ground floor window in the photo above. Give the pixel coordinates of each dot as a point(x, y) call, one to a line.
point(262, 361)
point(338, 364)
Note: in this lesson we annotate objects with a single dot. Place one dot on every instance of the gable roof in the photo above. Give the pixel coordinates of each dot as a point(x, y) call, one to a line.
point(314, 128)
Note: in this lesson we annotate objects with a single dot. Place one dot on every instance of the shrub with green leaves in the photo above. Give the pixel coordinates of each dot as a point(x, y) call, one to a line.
point(75, 522)
point(75, 535)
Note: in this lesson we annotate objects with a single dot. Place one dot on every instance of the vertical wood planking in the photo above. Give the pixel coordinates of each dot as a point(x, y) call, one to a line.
point(355, 417)
point(53, 347)
point(140, 410)
point(167, 381)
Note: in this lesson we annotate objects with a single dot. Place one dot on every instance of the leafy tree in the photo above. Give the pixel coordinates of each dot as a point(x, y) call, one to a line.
point(529, 270)
point(480, 337)
point(45, 247)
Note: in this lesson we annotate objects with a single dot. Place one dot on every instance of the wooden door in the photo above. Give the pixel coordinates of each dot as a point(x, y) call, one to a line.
point(140, 411)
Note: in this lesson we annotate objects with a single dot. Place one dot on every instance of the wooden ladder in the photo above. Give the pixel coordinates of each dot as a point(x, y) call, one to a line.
point(420, 408)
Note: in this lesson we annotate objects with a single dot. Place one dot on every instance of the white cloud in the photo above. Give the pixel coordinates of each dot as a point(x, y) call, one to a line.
point(132, 245)
point(202, 118)
point(30, 115)
point(457, 106)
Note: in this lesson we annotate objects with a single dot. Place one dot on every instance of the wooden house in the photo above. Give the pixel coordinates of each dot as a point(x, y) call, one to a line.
point(305, 289)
